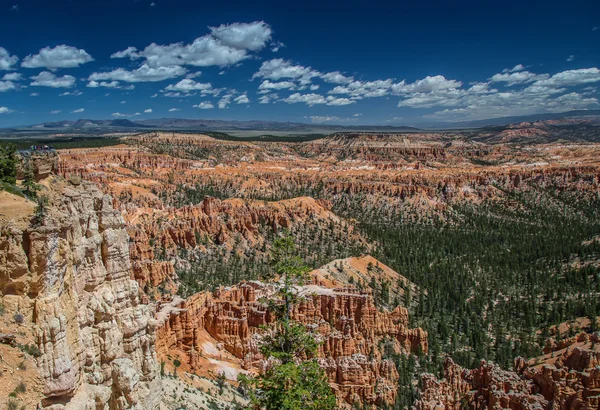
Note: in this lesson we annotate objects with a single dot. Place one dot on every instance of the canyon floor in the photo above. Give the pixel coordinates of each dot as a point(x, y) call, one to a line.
point(449, 270)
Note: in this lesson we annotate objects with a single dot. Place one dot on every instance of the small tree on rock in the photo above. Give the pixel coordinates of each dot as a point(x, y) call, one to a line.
point(295, 381)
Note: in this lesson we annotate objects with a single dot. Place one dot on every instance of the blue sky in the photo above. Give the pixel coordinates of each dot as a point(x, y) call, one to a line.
point(345, 62)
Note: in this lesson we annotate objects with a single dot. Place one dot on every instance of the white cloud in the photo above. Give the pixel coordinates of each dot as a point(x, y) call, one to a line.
point(148, 111)
point(142, 74)
point(12, 77)
point(519, 77)
point(276, 46)
point(278, 68)
point(35, 94)
point(123, 102)
point(55, 112)
point(225, 45)
point(128, 52)
point(174, 109)
point(314, 87)
point(309, 99)
point(77, 111)
point(267, 85)
point(336, 77)
point(365, 89)
point(171, 94)
point(62, 56)
point(250, 36)
point(242, 99)
point(7, 86)
point(518, 67)
point(267, 98)
point(571, 58)
point(317, 99)
point(224, 101)
point(194, 75)
point(323, 118)
point(5, 110)
point(106, 84)
point(187, 85)
point(205, 105)
point(426, 85)
point(48, 79)
point(339, 101)
point(6, 60)
point(571, 78)
point(119, 115)
point(15, 7)
point(70, 93)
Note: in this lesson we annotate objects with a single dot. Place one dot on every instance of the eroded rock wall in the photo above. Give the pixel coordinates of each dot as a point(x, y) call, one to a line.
point(70, 276)
point(347, 322)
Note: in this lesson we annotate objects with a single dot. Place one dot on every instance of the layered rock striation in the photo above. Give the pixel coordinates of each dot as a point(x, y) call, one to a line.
point(69, 274)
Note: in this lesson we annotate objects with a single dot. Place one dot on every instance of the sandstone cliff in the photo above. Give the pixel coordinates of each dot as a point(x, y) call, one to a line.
point(69, 275)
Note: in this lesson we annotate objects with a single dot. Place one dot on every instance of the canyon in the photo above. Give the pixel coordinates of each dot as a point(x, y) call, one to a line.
point(149, 255)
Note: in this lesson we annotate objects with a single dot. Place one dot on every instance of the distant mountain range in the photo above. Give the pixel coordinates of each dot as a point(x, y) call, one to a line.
point(266, 127)
point(511, 120)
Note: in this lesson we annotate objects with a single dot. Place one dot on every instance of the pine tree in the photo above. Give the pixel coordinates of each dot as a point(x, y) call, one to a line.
point(295, 381)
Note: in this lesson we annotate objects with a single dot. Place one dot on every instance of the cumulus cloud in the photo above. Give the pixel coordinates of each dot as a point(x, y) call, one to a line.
point(205, 105)
point(173, 109)
point(317, 99)
point(5, 110)
point(250, 36)
point(143, 74)
point(224, 101)
point(518, 67)
point(72, 93)
point(187, 85)
point(570, 78)
point(7, 86)
point(106, 84)
point(35, 94)
point(120, 115)
point(55, 112)
point(78, 110)
point(224, 46)
point(365, 89)
point(517, 77)
point(336, 77)
point(12, 77)
point(148, 111)
point(267, 98)
point(6, 60)
point(48, 79)
point(194, 75)
point(62, 56)
point(571, 58)
point(266, 86)
point(278, 68)
point(241, 99)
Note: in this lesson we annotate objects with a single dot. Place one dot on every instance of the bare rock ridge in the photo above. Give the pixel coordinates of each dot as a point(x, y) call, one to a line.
point(70, 277)
point(567, 378)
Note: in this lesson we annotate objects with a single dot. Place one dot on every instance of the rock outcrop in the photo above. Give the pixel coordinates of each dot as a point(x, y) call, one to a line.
point(565, 379)
point(346, 321)
point(69, 274)
point(41, 163)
